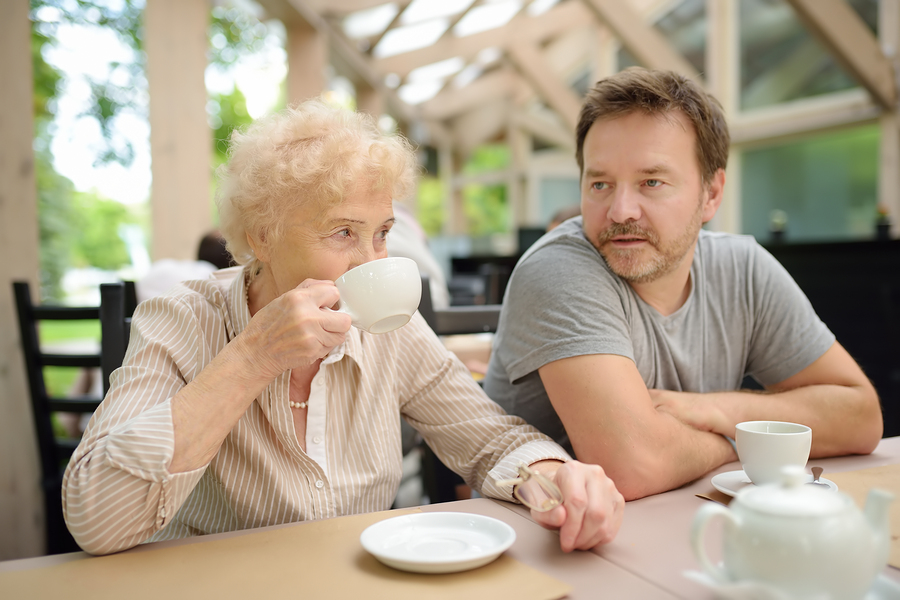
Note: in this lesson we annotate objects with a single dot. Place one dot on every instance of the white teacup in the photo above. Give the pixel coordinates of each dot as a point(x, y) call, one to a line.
point(381, 295)
point(764, 447)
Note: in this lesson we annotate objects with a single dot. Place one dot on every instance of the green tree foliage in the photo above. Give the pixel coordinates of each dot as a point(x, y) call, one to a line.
point(52, 188)
point(82, 229)
point(54, 225)
point(226, 112)
point(485, 206)
point(430, 205)
point(96, 222)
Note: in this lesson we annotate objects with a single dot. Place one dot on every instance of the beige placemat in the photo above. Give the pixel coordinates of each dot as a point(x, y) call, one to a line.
point(857, 485)
point(320, 559)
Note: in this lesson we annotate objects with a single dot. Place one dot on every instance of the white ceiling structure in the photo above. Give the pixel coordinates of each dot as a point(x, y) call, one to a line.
point(460, 73)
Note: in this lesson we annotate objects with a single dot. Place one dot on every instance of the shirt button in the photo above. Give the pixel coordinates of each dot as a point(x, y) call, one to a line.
point(317, 440)
point(319, 382)
point(320, 484)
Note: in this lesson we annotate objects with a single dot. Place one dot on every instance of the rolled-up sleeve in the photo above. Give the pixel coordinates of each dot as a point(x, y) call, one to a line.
point(117, 490)
point(469, 432)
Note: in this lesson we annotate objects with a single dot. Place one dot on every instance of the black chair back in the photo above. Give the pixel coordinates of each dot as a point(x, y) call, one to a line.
point(55, 451)
point(117, 304)
point(456, 320)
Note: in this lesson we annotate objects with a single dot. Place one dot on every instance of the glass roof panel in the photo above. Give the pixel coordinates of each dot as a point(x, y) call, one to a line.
point(780, 60)
point(539, 7)
point(410, 37)
point(487, 16)
point(425, 10)
point(416, 93)
point(369, 22)
point(439, 70)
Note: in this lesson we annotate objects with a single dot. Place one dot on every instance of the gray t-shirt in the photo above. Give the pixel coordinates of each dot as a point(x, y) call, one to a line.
point(745, 315)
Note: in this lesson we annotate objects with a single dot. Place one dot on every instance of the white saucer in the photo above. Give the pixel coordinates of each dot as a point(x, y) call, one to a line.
point(882, 588)
point(437, 542)
point(734, 481)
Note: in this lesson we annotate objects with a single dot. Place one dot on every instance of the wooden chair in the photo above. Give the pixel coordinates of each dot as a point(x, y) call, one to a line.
point(54, 452)
point(117, 304)
point(455, 320)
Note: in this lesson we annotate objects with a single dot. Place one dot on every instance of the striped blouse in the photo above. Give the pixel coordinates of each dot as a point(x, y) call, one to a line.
point(118, 492)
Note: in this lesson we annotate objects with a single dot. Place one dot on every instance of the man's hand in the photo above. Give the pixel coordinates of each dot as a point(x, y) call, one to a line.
point(701, 411)
point(592, 508)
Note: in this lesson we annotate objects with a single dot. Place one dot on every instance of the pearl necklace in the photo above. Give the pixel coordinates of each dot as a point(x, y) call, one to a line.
point(299, 404)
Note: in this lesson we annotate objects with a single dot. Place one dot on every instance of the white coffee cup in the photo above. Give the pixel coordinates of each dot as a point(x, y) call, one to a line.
point(381, 295)
point(764, 447)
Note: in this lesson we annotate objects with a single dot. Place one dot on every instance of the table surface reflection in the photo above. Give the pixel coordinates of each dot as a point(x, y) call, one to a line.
point(647, 560)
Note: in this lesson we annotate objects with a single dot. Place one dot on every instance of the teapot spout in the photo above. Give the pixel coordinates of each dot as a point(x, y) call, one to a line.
point(876, 511)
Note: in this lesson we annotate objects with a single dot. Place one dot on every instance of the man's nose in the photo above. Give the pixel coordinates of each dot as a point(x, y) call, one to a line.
point(625, 206)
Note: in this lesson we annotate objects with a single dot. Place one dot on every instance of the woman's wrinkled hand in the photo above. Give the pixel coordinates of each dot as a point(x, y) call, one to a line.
point(296, 329)
point(592, 508)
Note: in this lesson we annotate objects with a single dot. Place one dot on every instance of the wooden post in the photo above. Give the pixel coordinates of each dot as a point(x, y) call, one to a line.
point(307, 57)
point(21, 506)
point(722, 66)
point(180, 139)
point(889, 153)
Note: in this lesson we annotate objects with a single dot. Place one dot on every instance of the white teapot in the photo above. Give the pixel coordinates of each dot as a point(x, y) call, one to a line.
point(795, 540)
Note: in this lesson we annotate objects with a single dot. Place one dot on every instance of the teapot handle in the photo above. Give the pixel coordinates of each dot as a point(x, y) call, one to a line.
point(698, 531)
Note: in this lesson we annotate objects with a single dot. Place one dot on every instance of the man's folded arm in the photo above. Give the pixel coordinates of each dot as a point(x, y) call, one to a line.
point(611, 421)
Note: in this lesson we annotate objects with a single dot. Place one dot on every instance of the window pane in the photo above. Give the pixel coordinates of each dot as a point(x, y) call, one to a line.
point(781, 60)
point(685, 28)
point(827, 186)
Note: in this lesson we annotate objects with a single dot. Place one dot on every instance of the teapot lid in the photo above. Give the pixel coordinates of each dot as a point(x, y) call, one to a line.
point(792, 497)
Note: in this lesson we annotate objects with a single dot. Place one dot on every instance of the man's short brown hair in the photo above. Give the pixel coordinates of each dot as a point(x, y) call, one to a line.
point(658, 93)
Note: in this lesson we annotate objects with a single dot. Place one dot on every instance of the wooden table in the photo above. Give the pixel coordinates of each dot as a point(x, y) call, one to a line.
point(646, 561)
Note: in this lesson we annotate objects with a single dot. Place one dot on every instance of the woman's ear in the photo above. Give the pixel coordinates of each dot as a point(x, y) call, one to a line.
point(259, 246)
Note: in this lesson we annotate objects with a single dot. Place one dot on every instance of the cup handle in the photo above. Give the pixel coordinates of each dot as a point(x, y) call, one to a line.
point(698, 531)
point(342, 308)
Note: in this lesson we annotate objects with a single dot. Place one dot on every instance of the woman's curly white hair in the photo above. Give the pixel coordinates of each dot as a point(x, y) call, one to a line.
point(312, 152)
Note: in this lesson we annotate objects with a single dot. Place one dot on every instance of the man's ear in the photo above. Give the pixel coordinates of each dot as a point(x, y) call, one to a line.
point(714, 192)
point(259, 246)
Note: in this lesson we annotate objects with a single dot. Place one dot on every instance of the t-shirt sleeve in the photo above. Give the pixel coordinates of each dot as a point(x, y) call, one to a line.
point(562, 302)
point(788, 335)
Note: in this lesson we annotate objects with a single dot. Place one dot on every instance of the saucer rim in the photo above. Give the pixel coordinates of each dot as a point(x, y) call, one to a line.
point(832, 486)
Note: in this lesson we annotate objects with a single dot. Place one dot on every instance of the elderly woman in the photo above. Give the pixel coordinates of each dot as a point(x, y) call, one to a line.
point(244, 401)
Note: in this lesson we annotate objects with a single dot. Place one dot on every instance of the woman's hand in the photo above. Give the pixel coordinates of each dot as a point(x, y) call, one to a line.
point(296, 329)
point(592, 508)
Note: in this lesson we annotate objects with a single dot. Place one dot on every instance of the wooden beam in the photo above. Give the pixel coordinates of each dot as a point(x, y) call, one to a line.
point(555, 92)
point(722, 81)
point(819, 113)
point(21, 505)
point(176, 43)
point(849, 40)
point(478, 126)
point(307, 59)
point(889, 150)
point(558, 20)
point(344, 7)
point(545, 129)
point(361, 64)
point(644, 41)
point(453, 101)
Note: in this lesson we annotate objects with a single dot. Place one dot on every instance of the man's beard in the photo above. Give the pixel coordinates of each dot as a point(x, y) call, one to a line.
point(663, 259)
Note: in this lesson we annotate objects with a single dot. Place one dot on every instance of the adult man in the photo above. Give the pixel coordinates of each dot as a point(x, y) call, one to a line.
point(626, 334)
